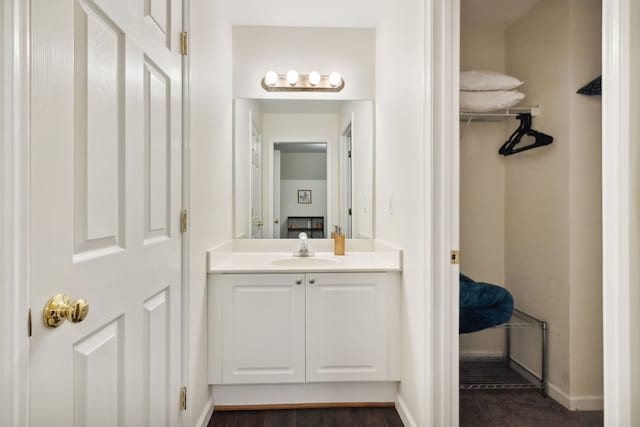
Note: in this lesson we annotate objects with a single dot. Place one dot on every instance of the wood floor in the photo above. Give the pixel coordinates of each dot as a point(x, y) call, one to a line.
point(326, 417)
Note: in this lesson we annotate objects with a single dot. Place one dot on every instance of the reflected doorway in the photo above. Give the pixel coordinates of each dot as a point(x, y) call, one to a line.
point(300, 189)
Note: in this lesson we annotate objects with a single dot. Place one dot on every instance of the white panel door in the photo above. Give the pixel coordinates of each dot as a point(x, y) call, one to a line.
point(263, 328)
point(346, 327)
point(106, 156)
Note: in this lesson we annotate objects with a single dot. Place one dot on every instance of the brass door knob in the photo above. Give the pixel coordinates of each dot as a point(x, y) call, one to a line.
point(61, 308)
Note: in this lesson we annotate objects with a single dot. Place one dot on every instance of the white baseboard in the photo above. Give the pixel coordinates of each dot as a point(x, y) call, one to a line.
point(575, 403)
point(206, 414)
point(405, 414)
point(277, 394)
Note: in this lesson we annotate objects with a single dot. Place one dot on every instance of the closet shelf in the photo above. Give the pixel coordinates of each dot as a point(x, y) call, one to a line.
point(500, 114)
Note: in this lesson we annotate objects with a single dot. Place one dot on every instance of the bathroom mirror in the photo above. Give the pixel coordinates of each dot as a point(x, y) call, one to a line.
point(303, 165)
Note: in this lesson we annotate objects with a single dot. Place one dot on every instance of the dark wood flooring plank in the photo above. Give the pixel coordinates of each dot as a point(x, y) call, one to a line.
point(280, 418)
point(369, 417)
point(250, 419)
point(339, 417)
point(222, 419)
point(310, 417)
point(390, 416)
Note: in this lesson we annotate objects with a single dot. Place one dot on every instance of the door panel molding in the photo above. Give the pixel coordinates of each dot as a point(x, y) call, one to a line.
point(99, 87)
point(99, 355)
point(157, 155)
point(156, 359)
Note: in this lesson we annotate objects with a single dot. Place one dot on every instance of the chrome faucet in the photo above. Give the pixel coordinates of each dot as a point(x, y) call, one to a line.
point(303, 250)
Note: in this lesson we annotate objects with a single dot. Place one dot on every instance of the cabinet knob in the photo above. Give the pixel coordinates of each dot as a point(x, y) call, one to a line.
point(298, 281)
point(312, 280)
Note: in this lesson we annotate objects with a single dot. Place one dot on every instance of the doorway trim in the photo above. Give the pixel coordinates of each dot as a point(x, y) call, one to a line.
point(185, 288)
point(617, 187)
point(441, 183)
point(270, 148)
point(14, 145)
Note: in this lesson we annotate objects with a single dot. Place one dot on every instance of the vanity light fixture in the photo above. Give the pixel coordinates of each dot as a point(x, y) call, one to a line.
point(314, 78)
point(292, 77)
point(271, 78)
point(335, 79)
point(294, 82)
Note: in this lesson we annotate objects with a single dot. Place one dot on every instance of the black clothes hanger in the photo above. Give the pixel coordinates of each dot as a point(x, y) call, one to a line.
point(541, 139)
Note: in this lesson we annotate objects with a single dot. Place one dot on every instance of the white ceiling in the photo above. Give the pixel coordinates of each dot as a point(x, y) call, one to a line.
point(493, 14)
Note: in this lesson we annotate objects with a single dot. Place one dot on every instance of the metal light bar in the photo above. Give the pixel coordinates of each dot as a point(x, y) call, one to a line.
point(302, 85)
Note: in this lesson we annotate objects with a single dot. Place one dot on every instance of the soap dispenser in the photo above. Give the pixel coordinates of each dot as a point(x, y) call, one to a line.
point(338, 242)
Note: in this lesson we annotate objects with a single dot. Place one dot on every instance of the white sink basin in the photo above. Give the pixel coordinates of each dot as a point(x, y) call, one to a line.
point(306, 262)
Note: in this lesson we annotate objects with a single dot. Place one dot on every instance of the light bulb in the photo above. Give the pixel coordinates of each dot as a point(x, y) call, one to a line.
point(335, 79)
point(271, 78)
point(292, 77)
point(314, 78)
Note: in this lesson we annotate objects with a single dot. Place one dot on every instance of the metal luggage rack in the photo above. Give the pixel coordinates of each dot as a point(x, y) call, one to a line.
point(504, 373)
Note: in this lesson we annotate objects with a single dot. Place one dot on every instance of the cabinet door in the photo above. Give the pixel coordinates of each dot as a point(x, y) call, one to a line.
point(263, 328)
point(346, 327)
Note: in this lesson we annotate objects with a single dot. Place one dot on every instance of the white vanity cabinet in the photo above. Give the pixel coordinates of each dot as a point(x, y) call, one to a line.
point(303, 327)
point(263, 328)
point(350, 326)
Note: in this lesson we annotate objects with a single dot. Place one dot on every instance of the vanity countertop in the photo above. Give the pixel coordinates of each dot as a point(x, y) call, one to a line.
point(276, 256)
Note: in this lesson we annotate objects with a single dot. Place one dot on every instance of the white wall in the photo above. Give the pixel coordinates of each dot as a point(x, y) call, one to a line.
point(303, 165)
point(361, 116)
point(349, 51)
point(246, 112)
point(399, 154)
point(399, 176)
point(554, 247)
point(482, 186)
point(585, 211)
point(211, 176)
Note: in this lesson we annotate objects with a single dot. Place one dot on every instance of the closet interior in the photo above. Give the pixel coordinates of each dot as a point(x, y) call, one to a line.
point(530, 198)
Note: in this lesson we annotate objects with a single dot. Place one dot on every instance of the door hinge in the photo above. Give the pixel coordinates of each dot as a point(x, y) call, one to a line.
point(455, 257)
point(184, 43)
point(349, 153)
point(350, 212)
point(29, 324)
point(184, 221)
point(183, 398)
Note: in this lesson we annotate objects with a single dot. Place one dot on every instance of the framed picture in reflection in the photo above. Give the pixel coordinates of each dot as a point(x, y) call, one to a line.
point(304, 197)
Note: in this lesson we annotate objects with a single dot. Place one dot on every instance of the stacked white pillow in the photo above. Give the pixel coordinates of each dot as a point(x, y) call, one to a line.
point(484, 91)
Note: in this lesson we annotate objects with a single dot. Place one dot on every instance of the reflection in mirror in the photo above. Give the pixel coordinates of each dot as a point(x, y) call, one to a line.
point(303, 166)
point(300, 189)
